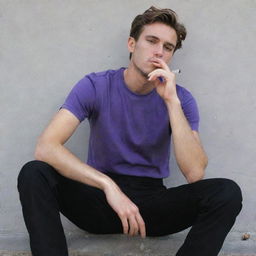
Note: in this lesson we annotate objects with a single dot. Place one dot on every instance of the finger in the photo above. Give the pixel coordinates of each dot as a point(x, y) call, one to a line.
point(157, 64)
point(125, 225)
point(155, 74)
point(142, 226)
point(133, 226)
point(160, 62)
point(168, 76)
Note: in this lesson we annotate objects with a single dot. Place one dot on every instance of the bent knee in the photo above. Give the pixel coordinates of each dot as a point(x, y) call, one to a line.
point(31, 171)
point(232, 189)
point(230, 194)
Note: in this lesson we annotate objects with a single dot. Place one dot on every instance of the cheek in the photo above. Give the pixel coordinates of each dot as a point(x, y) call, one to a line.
point(140, 53)
point(168, 59)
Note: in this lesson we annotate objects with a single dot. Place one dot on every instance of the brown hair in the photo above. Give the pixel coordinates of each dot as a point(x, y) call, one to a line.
point(152, 15)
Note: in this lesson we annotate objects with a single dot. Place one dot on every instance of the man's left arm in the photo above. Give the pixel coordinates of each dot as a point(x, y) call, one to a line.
point(190, 155)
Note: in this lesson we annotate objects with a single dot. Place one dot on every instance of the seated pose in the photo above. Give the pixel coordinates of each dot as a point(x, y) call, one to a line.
point(133, 113)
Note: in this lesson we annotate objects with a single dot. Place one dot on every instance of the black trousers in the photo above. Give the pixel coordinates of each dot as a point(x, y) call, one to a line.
point(210, 206)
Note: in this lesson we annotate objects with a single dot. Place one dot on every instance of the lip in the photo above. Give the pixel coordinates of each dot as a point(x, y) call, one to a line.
point(153, 59)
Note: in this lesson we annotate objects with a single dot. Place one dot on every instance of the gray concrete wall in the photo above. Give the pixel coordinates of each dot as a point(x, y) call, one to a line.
point(47, 46)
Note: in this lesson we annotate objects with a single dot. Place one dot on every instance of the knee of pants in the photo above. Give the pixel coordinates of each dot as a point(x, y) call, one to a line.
point(30, 174)
point(229, 194)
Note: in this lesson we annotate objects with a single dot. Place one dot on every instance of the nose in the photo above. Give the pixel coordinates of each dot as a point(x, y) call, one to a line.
point(158, 51)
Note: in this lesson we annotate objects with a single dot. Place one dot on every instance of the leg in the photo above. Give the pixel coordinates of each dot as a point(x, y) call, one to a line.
point(44, 193)
point(87, 207)
point(209, 206)
point(220, 201)
point(37, 183)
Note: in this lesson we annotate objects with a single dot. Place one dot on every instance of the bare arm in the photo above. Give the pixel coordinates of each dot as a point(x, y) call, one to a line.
point(189, 152)
point(50, 149)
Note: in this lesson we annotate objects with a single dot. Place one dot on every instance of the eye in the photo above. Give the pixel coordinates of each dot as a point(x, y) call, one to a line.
point(168, 48)
point(152, 41)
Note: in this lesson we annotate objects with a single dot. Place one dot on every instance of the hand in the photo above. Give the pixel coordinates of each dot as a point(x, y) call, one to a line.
point(127, 211)
point(166, 88)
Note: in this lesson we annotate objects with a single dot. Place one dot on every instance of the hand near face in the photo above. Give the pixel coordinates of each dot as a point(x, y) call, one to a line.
point(167, 87)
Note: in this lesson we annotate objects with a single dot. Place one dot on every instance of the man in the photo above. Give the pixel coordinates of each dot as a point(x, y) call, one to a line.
point(133, 112)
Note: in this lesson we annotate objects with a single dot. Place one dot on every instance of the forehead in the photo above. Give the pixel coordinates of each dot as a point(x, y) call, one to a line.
point(162, 31)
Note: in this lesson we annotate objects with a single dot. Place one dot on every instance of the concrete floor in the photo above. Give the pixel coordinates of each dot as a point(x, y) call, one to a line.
point(84, 244)
point(77, 253)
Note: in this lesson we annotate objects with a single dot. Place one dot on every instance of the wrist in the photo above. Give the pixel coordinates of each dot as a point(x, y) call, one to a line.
point(174, 102)
point(108, 184)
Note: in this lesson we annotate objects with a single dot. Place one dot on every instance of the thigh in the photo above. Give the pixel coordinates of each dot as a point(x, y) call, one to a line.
point(178, 208)
point(87, 207)
point(169, 211)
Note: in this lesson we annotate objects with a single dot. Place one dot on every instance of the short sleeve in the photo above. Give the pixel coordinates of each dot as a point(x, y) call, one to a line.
point(81, 99)
point(190, 109)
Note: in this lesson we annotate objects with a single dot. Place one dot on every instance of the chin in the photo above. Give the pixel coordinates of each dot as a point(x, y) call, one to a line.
point(149, 69)
point(145, 70)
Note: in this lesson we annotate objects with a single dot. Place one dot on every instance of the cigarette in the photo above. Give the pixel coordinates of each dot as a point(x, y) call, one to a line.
point(176, 71)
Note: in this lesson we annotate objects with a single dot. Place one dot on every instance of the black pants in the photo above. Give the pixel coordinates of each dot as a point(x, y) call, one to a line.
point(210, 206)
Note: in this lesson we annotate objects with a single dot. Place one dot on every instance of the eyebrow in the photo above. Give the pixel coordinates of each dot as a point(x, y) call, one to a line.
point(156, 38)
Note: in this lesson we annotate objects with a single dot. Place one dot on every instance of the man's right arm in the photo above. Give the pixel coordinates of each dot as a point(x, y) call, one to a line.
point(50, 149)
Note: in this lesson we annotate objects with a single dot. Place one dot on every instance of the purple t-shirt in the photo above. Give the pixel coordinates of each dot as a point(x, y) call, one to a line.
point(130, 133)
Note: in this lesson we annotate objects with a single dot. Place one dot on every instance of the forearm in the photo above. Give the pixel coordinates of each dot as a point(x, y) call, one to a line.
point(189, 152)
point(70, 166)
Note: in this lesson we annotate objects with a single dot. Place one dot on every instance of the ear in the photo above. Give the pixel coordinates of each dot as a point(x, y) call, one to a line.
point(131, 44)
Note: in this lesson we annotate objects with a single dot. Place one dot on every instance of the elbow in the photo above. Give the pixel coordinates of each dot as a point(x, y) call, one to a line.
point(195, 177)
point(42, 150)
point(205, 162)
point(196, 174)
point(46, 149)
point(39, 151)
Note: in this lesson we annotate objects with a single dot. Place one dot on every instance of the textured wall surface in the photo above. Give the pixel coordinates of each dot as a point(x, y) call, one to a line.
point(47, 46)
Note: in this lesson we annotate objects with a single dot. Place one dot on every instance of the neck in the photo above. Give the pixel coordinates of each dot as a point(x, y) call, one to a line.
point(137, 81)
